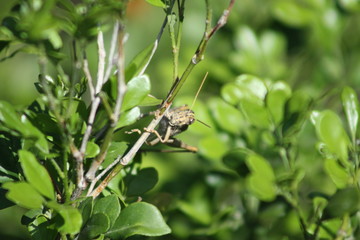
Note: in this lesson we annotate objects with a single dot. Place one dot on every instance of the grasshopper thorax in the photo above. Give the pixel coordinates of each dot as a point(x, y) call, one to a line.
point(178, 119)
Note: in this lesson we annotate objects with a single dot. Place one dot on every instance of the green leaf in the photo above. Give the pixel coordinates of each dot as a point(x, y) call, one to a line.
point(350, 5)
point(344, 201)
point(213, 146)
point(329, 129)
point(337, 173)
point(137, 89)
point(255, 113)
point(11, 120)
point(156, 3)
point(293, 13)
point(236, 160)
point(23, 194)
point(92, 149)
point(351, 107)
point(109, 206)
point(40, 229)
point(196, 206)
point(226, 116)
point(150, 101)
point(86, 209)
point(71, 217)
point(98, 224)
point(142, 182)
point(254, 88)
point(115, 149)
point(232, 93)
point(296, 112)
point(9, 117)
point(261, 188)
point(139, 219)
point(36, 174)
point(128, 117)
point(276, 99)
point(261, 182)
point(138, 64)
point(259, 165)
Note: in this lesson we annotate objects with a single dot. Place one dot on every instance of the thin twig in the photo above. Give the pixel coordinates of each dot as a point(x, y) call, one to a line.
point(88, 76)
point(111, 59)
point(96, 100)
point(121, 85)
point(101, 63)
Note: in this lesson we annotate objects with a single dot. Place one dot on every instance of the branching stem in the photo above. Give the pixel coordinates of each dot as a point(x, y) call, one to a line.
point(119, 163)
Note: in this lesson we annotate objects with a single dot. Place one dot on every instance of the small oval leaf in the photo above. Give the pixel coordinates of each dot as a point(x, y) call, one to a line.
point(139, 218)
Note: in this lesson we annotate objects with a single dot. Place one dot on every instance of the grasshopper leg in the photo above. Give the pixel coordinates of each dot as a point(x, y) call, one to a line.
point(159, 138)
point(173, 142)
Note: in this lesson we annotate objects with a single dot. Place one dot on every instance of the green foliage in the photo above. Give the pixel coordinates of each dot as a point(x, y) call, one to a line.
point(279, 161)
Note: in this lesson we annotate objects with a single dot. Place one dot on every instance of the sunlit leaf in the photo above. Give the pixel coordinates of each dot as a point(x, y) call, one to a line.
point(329, 129)
point(137, 89)
point(213, 147)
point(109, 206)
point(262, 179)
point(138, 64)
point(139, 219)
point(23, 194)
point(337, 173)
point(92, 149)
point(128, 117)
point(351, 106)
point(276, 99)
point(226, 116)
point(36, 174)
point(71, 217)
point(156, 3)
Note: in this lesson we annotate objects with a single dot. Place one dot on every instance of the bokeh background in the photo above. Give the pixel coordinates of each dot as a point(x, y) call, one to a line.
point(313, 45)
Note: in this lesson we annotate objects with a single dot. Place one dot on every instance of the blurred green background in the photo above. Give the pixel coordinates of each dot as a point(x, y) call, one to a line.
point(313, 45)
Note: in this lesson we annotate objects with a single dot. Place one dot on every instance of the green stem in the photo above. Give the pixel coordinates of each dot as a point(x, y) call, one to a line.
point(175, 50)
point(284, 157)
point(57, 169)
point(66, 176)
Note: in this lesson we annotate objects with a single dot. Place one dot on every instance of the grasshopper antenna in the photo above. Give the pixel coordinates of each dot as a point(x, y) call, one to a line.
point(198, 91)
point(203, 123)
point(197, 94)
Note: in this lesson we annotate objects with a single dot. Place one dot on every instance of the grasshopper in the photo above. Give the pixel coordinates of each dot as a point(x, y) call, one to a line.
point(175, 121)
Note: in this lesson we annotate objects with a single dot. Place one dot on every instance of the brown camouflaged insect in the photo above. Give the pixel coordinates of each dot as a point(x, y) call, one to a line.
point(175, 121)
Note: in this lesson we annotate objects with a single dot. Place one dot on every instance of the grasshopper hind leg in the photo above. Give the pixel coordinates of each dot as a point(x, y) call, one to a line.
point(180, 144)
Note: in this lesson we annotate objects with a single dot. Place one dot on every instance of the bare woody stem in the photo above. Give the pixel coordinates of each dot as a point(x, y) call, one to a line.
point(121, 89)
point(95, 91)
point(119, 163)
